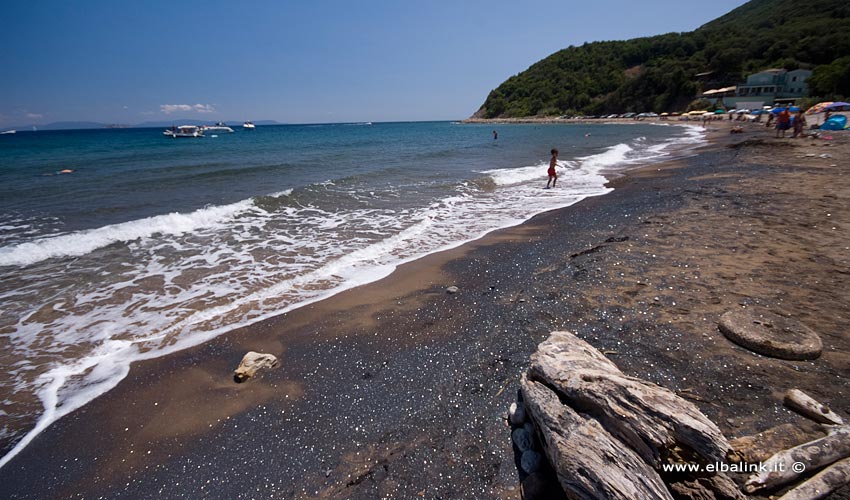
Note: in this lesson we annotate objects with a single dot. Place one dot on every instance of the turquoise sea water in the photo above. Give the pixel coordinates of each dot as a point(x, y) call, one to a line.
point(154, 244)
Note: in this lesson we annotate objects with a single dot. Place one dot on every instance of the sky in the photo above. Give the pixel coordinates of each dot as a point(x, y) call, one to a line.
point(295, 61)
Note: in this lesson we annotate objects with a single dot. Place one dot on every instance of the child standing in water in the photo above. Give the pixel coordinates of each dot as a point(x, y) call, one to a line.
point(553, 177)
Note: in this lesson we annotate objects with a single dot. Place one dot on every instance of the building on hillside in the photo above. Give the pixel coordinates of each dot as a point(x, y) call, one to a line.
point(720, 97)
point(771, 86)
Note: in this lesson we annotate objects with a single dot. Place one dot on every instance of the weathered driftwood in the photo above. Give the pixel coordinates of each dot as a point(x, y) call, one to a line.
point(804, 404)
point(783, 467)
point(717, 487)
point(650, 419)
point(763, 445)
point(251, 363)
point(589, 462)
point(822, 484)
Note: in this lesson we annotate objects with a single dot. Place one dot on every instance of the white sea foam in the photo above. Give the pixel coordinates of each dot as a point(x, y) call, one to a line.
point(264, 276)
point(285, 192)
point(641, 151)
point(84, 242)
point(694, 134)
point(193, 277)
point(105, 368)
point(612, 156)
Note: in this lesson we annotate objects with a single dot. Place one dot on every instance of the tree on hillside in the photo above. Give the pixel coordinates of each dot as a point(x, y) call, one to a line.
point(659, 73)
point(832, 81)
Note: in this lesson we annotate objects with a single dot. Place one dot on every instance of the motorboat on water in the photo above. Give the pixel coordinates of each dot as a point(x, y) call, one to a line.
point(218, 127)
point(248, 126)
point(184, 131)
point(8, 132)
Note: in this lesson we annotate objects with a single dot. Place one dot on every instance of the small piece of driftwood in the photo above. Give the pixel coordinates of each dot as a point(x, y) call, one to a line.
point(251, 363)
point(823, 483)
point(804, 404)
point(589, 462)
point(650, 419)
point(784, 467)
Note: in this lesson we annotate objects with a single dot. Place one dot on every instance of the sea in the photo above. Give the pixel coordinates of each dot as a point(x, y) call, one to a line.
point(118, 245)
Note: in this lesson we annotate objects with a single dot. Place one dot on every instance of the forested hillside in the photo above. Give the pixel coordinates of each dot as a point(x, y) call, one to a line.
point(665, 72)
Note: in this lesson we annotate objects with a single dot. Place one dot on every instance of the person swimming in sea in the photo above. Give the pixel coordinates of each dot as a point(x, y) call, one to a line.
point(60, 172)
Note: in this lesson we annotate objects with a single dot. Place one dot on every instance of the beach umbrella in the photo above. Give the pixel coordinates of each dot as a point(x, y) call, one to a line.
point(837, 106)
point(758, 112)
point(742, 111)
point(819, 107)
point(719, 112)
point(792, 109)
point(665, 114)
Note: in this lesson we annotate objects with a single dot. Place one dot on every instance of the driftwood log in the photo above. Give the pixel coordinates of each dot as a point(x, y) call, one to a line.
point(822, 484)
point(763, 445)
point(717, 487)
point(652, 420)
point(804, 404)
point(787, 465)
point(589, 462)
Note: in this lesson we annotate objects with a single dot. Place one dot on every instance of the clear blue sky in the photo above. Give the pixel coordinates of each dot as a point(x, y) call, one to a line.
point(295, 61)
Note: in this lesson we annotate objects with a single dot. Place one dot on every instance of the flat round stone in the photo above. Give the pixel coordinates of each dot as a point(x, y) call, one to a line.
point(771, 335)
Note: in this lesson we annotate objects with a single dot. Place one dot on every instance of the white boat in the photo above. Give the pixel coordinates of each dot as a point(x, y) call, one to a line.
point(184, 131)
point(5, 132)
point(218, 127)
point(248, 126)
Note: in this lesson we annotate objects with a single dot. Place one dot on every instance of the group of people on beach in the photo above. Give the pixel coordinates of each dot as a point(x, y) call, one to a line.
point(784, 122)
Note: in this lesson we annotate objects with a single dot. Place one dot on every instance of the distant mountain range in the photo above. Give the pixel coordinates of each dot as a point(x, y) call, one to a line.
point(158, 124)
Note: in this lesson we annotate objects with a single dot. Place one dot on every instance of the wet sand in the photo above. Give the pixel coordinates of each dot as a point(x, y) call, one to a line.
point(399, 389)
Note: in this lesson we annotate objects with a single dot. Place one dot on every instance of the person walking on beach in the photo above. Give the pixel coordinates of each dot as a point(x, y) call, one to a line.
point(553, 177)
point(783, 121)
point(799, 124)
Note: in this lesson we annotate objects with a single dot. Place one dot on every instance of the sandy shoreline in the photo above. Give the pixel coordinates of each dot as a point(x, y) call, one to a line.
point(397, 389)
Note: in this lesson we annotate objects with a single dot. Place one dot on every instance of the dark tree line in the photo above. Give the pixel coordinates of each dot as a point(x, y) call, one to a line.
point(665, 72)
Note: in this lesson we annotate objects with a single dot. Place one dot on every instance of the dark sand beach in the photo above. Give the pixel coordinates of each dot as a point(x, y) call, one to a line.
point(399, 389)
